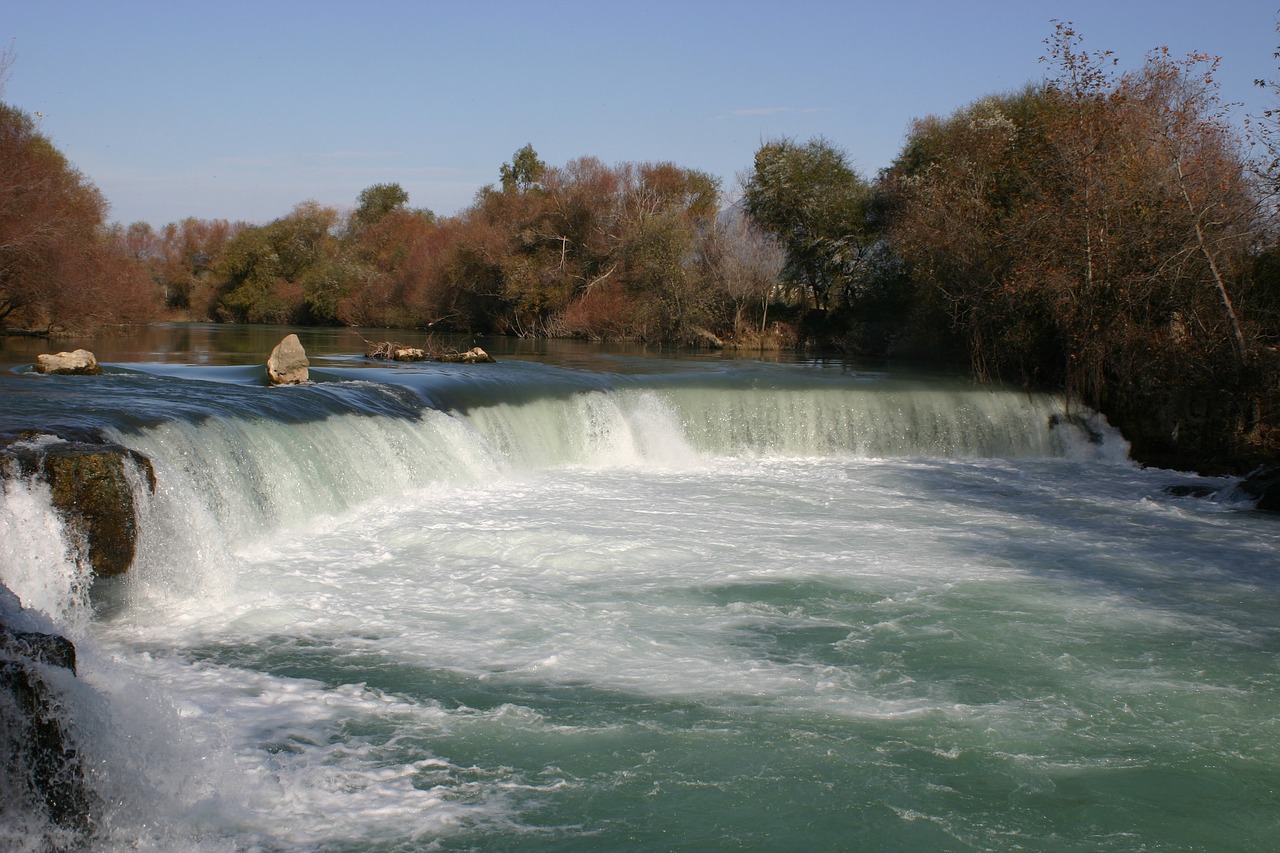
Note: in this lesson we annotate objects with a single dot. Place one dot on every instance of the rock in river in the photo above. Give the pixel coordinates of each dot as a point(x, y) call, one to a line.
point(89, 487)
point(81, 362)
point(288, 362)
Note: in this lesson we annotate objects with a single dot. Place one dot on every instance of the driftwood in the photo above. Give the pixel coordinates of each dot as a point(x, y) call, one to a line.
point(392, 351)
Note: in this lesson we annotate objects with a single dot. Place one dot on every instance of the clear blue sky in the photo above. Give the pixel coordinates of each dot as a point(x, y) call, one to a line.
point(239, 110)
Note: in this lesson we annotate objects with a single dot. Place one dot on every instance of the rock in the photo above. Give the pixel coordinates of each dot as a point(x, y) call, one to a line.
point(90, 488)
point(51, 649)
point(1263, 487)
point(80, 363)
point(1081, 422)
point(1190, 490)
point(38, 757)
point(704, 337)
point(391, 351)
point(288, 362)
point(475, 355)
point(40, 767)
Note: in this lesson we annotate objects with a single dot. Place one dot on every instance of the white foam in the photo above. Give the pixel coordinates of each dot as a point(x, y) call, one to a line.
point(39, 561)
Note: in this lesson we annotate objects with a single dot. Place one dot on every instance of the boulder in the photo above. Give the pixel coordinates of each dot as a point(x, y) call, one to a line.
point(288, 362)
point(89, 487)
point(40, 767)
point(39, 762)
point(81, 362)
point(51, 649)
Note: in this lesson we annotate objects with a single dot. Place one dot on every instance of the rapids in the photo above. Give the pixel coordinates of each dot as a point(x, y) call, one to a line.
point(643, 603)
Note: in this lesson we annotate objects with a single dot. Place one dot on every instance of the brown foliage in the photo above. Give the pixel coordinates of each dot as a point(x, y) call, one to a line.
point(604, 313)
point(586, 249)
point(59, 265)
point(1091, 233)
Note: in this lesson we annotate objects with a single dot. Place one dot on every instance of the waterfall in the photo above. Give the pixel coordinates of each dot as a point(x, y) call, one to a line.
point(275, 508)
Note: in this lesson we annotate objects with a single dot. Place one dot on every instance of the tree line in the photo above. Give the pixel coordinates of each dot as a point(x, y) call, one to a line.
point(1103, 232)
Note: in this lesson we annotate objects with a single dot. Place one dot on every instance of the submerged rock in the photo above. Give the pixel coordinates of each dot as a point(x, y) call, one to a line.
point(80, 362)
point(1190, 490)
point(1263, 486)
point(288, 364)
point(89, 487)
point(1261, 489)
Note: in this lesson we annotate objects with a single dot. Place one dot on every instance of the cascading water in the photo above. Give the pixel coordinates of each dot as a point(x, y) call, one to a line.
point(681, 608)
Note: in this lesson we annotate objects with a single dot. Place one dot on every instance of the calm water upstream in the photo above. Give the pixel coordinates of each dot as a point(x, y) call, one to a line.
point(590, 599)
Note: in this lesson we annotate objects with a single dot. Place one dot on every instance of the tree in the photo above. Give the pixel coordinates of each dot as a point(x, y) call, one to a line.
point(584, 249)
point(58, 263)
point(745, 263)
point(376, 202)
point(523, 172)
point(964, 205)
point(189, 253)
point(812, 200)
point(7, 58)
point(1090, 233)
point(286, 271)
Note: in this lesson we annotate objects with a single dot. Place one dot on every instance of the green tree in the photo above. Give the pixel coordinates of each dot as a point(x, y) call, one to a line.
point(812, 200)
point(523, 172)
point(376, 202)
point(285, 271)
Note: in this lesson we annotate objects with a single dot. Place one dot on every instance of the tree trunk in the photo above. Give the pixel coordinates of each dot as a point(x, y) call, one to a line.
point(1242, 349)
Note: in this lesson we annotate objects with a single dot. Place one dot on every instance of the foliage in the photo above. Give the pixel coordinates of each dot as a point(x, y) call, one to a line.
point(1092, 232)
point(59, 264)
point(812, 200)
point(284, 271)
point(376, 202)
point(523, 172)
point(586, 249)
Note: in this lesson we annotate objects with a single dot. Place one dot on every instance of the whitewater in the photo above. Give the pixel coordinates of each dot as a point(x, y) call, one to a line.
point(648, 604)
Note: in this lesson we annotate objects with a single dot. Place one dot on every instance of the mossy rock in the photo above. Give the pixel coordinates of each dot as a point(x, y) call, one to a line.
point(90, 488)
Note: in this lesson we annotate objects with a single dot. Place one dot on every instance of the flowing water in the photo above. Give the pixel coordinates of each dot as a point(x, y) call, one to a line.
point(624, 602)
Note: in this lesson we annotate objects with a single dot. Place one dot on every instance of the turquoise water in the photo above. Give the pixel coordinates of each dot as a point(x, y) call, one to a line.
point(685, 606)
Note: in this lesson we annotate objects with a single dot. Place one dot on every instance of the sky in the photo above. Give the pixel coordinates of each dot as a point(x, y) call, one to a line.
point(240, 110)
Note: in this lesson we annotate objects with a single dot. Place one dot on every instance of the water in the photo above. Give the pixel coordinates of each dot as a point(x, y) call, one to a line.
point(617, 601)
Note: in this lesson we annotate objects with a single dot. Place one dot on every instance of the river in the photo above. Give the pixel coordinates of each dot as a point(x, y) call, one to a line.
point(596, 598)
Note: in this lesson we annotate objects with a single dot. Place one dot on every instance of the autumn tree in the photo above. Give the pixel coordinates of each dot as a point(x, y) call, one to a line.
point(1090, 233)
point(745, 264)
point(585, 249)
point(182, 258)
point(59, 264)
point(382, 287)
point(963, 203)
